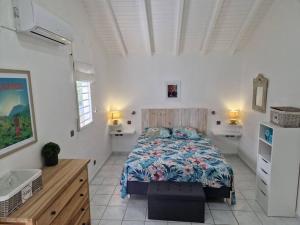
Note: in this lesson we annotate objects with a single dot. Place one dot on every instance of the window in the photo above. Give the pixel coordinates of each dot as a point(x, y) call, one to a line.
point(84, 103)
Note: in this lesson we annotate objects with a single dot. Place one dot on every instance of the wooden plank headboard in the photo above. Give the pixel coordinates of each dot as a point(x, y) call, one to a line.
point(176, 117)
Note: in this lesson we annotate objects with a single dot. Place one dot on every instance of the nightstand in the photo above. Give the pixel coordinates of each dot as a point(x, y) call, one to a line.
point(123, 141)
point(226, 133)
point(227, 138)
point(122, 133)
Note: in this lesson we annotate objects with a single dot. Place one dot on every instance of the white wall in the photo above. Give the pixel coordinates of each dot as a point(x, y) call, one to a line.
point(273, 51)
point(53, 88)
point(211, 81)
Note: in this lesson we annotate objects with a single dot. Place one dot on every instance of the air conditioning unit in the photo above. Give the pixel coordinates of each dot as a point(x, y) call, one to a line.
point(34, 20)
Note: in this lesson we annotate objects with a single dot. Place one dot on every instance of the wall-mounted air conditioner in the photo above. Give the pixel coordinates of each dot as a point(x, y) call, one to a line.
point(34, 20)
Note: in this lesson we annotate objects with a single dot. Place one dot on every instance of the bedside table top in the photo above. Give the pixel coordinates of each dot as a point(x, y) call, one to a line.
point(123, 132)
point(223, 132)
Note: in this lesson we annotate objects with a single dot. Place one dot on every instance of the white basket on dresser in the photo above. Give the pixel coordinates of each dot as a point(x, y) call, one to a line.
point(278, 170)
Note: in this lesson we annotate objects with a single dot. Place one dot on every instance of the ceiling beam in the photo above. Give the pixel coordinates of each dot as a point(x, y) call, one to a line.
point(212, 25)
point(146, 9)
point(179, 24)
point(235, 44)
point(116, 28)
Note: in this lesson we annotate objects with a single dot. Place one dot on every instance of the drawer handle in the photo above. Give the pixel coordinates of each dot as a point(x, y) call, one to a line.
point(263, 171)
point(53, 213)
point(264, 160)
point(81, 180)
point(81, 195)
point(82, 209)
point(263, 193)
point(84, 224)
point(263, 182)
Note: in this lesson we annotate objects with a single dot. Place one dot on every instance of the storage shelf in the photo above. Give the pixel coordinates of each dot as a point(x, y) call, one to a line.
point(266, 142)
point(266, 157)
point(277, 165)
point(262, 130)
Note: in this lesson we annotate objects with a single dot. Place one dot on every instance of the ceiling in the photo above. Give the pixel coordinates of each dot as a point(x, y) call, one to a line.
point(148, 27)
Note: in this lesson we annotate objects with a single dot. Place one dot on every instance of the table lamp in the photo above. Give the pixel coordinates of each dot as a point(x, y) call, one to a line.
point(115, 116)
point(234, 116)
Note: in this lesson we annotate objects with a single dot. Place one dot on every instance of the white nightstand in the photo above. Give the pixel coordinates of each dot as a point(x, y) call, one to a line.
point(123, 141)
point(227, 138)
point(226, 133)
point(122, 133)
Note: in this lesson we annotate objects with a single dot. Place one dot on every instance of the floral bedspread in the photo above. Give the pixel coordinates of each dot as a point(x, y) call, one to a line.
point(178, 160)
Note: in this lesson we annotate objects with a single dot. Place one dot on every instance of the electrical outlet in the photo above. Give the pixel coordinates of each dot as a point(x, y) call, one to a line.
point(72, 133)
point(129, 122)
point(218, 122)
point(95, 162)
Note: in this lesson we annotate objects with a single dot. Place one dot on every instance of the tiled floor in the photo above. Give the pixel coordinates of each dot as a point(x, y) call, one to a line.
point(107, 208)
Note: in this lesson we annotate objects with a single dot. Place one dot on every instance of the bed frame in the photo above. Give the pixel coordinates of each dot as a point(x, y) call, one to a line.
point(140, 188)
point(176, 117)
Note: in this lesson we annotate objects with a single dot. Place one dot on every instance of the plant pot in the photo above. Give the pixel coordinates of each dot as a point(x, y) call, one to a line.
point(51, 160)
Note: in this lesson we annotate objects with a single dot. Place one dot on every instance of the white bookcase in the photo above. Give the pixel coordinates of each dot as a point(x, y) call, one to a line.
point(278, 170)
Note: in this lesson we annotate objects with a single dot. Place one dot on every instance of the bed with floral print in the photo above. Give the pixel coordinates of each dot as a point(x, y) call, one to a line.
point(177, 160)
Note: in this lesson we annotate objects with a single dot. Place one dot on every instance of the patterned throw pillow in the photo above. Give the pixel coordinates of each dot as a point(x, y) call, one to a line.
point(165, 132)
point(157, 132)
point(185, 133)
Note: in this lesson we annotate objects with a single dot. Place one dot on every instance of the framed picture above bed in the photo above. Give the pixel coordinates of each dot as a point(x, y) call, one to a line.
point(173, 89)
point(17, 123)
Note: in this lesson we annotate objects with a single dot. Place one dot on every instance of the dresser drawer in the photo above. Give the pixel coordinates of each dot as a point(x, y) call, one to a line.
point(262, 173)
point(54, 210)
point(262, 199)
point(262, 185)
point(264, 164)
point(71, 210)
point(82, 215)
point(85, 220)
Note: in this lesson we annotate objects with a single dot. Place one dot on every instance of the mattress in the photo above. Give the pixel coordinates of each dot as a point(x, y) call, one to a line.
point(177, 160)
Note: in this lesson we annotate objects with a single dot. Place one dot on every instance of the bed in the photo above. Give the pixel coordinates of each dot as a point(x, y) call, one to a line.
point(177, 160)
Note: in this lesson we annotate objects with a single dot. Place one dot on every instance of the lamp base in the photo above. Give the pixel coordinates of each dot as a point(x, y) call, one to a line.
point(233, 122)
point(115, 122)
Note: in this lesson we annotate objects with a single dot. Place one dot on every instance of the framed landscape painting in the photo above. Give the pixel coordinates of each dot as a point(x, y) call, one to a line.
point(17, 124)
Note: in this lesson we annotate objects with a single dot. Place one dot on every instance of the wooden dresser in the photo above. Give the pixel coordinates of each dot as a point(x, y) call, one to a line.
point(64, 199)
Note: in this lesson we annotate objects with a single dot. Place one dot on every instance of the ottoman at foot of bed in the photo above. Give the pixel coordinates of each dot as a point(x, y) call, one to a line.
point(176, 201)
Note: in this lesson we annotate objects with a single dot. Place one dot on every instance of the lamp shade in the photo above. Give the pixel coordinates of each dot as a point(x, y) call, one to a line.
point(115, 115)
point(234, 116)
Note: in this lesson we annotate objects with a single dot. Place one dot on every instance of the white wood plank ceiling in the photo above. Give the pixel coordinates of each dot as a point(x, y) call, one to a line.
point(140, 27)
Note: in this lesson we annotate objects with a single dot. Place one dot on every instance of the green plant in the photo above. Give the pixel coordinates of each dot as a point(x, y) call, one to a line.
point(50, 150)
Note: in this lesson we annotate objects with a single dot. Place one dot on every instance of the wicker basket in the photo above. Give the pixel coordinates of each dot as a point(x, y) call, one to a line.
point(285, 116)
point(10, 205)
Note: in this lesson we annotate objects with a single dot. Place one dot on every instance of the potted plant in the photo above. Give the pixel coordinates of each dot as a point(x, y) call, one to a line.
point(50, 153)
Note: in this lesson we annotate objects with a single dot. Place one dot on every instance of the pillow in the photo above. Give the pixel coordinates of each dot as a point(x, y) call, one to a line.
point(185, 133)
point(165, 132)
point(157, 132)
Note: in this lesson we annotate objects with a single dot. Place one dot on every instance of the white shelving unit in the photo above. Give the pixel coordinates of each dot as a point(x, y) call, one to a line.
point(278, 170)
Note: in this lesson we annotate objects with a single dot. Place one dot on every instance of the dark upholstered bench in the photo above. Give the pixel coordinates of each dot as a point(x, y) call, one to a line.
point(176, 201)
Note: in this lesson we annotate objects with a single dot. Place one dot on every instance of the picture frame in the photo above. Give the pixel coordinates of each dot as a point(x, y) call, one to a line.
point(173, 89)
point(260, 93)
point(17, 118)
